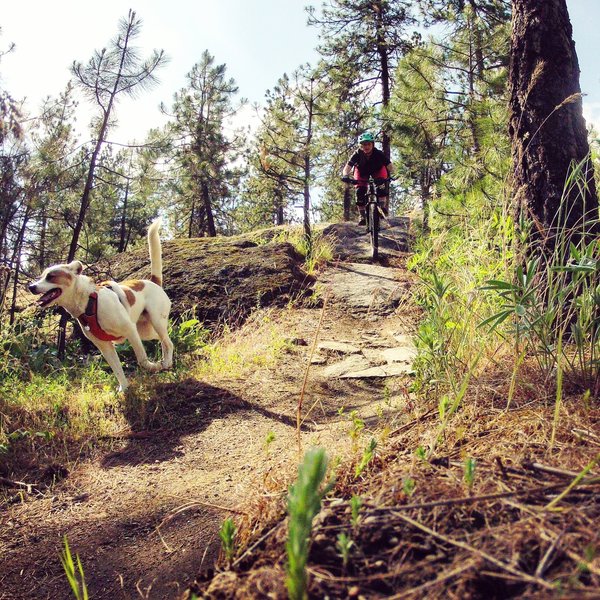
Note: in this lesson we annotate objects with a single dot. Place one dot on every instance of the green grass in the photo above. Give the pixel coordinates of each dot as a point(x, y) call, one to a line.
point(304, 503)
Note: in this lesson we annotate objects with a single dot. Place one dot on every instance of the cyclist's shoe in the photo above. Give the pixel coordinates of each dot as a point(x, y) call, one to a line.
point(362, 221)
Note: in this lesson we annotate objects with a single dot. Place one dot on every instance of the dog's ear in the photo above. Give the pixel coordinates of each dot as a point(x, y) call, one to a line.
point(76, 267)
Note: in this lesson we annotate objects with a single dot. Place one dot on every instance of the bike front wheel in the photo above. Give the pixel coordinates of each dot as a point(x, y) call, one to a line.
point(374, 229)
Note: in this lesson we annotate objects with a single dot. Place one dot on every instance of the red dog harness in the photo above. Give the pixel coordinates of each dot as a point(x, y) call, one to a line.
point(89, 320)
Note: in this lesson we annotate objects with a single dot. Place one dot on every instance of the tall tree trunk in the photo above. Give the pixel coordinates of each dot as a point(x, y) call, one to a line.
point(382, 51)
point(43, 231)
point(307, 165)
point(475, 72)
point(16, 261)
point(192, 218)
point(278, 206)
point(210, 220)
point(546, 123)
point(123, 228)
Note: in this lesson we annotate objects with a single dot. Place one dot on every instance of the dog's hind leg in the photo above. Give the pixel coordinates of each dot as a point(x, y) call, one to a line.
point(160, 325)
point(112, 358)
point(140, 352)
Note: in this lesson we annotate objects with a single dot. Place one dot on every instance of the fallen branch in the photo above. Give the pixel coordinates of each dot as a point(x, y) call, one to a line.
point(470, 499)
point(19, 484)
point(484, 555)
point(439, 579)
point(256, 544)
point(577, 481)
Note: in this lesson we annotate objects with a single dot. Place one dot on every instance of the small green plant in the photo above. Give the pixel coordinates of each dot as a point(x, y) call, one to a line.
point(188, 333)
point(387, 394)
point(74, 575)
point(356, 427)
point(366, 458)
point(421, 454)
point(469, 472)
point(227, 535)
point(304, 502)
point(408, 486)
point(355, 506)
point(269, 439)
point(344, 544)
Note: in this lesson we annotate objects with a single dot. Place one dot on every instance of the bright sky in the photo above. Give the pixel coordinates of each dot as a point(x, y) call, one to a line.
point(258, 40)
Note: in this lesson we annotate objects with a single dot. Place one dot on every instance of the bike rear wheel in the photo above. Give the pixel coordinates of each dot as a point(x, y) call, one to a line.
point(374, 228)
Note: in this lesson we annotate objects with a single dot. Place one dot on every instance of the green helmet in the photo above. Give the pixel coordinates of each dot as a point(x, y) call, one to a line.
point(366, 137)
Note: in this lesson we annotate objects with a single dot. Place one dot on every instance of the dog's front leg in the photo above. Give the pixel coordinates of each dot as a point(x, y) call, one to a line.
point(112, 358)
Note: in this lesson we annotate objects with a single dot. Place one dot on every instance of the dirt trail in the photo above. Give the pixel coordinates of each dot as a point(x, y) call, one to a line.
point(144, 518)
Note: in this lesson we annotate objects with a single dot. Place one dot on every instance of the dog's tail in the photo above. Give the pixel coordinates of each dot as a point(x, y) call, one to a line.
point(155, 252)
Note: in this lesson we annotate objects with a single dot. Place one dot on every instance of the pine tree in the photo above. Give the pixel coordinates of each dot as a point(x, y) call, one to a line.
point(204, 153)
point(362, 42)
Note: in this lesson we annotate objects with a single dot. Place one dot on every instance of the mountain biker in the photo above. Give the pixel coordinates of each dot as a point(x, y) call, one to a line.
point(368, 160)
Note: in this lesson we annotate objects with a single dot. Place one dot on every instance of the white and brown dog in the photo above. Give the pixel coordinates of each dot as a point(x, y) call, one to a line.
point(111, 312)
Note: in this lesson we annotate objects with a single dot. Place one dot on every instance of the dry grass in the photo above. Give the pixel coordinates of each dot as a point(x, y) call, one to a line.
point(497, 537)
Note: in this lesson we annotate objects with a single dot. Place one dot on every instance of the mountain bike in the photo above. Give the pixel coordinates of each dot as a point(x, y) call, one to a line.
point(373, 210)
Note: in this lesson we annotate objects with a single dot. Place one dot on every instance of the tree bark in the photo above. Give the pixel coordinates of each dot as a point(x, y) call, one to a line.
point(547, 128)
point(210, 220)
point(382, 51)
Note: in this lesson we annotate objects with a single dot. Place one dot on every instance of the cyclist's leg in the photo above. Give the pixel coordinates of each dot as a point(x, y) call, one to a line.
point(361, 196)
point(382, 190)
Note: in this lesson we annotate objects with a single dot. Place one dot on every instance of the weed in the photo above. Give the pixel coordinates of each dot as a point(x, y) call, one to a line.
point(356, 427)
point(408, 486)
point(75, 576)
point(469, 472)
point(304, 502)
point(355, 506)
point(269, 439)
point(366, 458)
point(421, 454)
point(344, 544)
point(227, 535)
point(316, 249)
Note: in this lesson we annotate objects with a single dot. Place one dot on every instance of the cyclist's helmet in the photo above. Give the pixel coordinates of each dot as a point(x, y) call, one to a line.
point(366, 137)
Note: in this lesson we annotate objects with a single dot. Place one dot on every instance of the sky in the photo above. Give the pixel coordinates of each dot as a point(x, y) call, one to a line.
point(258, 40)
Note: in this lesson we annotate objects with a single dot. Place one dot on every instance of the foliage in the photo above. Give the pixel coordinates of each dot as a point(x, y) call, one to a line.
point(75, 577)
point(304, 502)
point(554, 299)
point(367, 457)
point(204, 176)
point(227, 536)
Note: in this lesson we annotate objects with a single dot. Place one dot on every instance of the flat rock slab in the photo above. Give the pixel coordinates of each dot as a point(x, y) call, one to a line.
point(364, 287)
point(405, 354)
point(392, 370)
point(355, 362)
point(338, 347)
point(353, 241)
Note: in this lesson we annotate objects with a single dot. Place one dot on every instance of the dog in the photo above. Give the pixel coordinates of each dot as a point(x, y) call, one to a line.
point(112, 312)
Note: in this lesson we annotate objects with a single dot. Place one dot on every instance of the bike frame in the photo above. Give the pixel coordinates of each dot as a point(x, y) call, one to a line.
point(373, 213)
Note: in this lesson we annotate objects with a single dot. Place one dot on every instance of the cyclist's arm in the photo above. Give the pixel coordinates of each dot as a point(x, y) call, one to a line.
point(390, 169)
point(347, 172)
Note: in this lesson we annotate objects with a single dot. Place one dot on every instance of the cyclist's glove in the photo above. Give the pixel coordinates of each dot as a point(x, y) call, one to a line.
point(347, 179)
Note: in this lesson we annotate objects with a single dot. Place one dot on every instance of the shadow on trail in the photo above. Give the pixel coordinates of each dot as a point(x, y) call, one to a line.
point(175, 410)
point(122, 556)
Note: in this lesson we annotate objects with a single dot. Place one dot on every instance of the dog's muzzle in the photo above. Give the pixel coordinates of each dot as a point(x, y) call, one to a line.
point(48, 297)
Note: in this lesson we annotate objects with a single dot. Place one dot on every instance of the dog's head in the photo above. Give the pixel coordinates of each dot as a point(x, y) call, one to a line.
point(54, 282)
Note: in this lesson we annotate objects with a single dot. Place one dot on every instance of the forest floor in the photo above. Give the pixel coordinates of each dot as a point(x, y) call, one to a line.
point(493, 492)
point(144, 515)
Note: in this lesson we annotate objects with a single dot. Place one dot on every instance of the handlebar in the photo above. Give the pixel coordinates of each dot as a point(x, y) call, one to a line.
point(376, 180)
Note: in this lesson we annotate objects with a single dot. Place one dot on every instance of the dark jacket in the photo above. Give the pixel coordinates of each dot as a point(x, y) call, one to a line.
point(368, 165)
